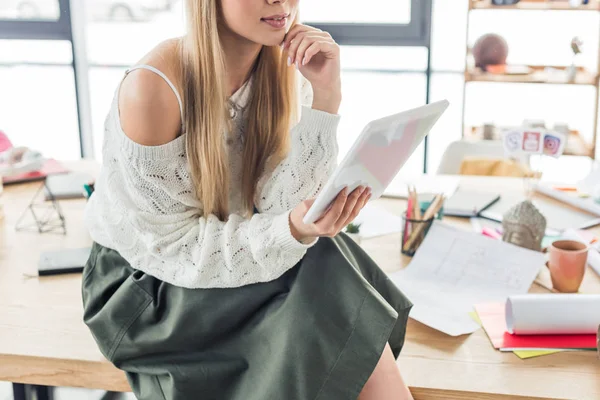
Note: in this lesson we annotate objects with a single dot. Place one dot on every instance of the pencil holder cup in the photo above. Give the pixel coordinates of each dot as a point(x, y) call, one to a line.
point(413, 233)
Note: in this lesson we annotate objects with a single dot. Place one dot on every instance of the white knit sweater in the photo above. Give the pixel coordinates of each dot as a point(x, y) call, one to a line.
point(145, 208)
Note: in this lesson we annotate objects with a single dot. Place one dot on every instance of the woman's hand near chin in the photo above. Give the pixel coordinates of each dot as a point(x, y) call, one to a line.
point(317, 57)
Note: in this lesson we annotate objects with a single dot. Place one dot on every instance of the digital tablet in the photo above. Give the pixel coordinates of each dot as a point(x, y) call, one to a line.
point(378, 154)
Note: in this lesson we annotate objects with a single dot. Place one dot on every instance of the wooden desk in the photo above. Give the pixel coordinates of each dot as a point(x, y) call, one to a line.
point(44, 341)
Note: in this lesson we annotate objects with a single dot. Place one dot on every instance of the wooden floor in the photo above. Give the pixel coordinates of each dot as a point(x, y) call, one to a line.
point(65, 393)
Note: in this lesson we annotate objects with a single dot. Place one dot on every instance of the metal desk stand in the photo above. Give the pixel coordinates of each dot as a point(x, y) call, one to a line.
point(45, 212)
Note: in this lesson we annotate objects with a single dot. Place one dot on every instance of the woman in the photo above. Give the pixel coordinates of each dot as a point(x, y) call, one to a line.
point(203, 281)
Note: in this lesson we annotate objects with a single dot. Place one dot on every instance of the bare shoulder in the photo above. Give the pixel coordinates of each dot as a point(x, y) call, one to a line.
point(148, 107)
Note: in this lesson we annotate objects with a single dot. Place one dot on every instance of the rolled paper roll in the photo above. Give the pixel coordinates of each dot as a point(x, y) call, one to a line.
point(553, 314)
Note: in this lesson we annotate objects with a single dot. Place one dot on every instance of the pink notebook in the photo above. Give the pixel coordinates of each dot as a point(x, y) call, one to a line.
point(50, 168)
point(492, 316)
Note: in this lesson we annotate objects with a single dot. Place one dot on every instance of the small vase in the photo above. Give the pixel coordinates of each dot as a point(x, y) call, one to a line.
point(355, 236)
point(571, 73)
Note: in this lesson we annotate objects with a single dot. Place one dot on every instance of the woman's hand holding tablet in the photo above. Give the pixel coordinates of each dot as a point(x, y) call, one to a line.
point(342, 211)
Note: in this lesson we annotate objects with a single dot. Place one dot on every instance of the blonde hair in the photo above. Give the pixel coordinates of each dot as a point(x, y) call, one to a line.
point(271, 109)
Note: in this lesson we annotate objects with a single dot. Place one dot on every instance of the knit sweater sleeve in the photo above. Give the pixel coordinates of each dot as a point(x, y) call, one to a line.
point(307, 167)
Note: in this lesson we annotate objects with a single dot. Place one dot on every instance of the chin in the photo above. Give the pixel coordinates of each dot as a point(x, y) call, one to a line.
point(271, 40)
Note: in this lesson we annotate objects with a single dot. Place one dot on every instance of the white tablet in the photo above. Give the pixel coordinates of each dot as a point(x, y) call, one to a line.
point(378, 154)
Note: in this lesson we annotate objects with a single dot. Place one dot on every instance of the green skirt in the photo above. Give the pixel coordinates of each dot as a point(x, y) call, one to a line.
point(316, 332)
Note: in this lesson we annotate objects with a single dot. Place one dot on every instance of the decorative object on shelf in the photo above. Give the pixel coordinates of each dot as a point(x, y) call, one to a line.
point(524, 225)
point(353, 230)
point(576, 47)
point(526, 140)
point(490, 49)
point(489, 131)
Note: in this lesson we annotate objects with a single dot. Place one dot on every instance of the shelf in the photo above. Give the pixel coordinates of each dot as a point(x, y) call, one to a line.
point(539, 74)
point(576, 146)
point(535, 5)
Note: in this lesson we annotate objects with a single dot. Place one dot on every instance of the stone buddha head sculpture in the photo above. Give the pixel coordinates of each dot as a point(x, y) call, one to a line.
point(524, 225)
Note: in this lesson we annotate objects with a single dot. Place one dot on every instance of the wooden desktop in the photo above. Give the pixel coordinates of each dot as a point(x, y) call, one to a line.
point(44, 341)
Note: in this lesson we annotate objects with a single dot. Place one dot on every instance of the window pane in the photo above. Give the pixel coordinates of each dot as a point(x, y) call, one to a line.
point(103, 86)
point(38, 109)
point(36, 51)
point(368, 95)
point(447, 86)
point(30, 9)
point(121, 32)
point(382, 58)
point(357, 11)
point(449, 32)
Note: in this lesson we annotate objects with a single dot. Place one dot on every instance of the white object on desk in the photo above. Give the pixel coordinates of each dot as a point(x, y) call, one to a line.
point(455, 269)
point(584, 203)
point(553, 314)
point(67, 186)
point(378, 154)
point(375, 221)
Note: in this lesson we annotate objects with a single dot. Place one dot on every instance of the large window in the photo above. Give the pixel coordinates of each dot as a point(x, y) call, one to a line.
point(118, 34)
point(38, 102)
point(384, 59)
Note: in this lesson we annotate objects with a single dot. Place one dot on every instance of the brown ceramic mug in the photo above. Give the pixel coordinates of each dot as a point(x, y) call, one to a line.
point(566, 263)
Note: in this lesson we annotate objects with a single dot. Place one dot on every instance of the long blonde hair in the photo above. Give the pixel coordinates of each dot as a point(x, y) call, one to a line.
point(271, 109)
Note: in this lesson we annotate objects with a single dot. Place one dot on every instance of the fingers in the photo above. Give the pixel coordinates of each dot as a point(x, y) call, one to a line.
point(363, 199)
point(295, 30)
point(326, 225)
point(303, 40)
point(312, 51)
point(349, 209)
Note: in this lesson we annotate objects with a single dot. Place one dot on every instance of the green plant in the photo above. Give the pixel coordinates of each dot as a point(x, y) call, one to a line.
point(353, 228)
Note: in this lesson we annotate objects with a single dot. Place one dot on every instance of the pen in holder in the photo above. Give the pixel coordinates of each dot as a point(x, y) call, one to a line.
point(413, 233)
point(416, 222)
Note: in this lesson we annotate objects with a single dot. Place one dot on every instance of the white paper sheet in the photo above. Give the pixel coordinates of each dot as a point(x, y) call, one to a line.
point(553, 314)
point(455, 269)
point(376, 221)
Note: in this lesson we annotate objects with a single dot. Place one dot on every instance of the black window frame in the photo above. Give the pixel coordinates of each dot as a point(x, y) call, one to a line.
point(59, 29)
point(416, 33)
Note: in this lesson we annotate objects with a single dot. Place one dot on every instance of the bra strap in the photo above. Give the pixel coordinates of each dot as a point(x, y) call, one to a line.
point(162, 75)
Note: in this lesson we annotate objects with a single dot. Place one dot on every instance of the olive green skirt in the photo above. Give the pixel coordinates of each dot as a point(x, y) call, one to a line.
point(317, 332)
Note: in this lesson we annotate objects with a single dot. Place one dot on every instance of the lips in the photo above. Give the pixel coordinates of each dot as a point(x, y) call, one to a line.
point(276, 21)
